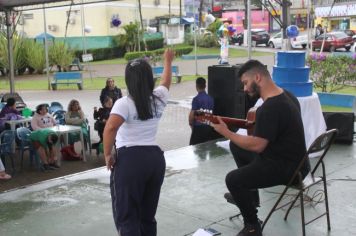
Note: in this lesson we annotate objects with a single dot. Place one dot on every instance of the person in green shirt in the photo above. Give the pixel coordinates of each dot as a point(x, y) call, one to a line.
point(44, 140)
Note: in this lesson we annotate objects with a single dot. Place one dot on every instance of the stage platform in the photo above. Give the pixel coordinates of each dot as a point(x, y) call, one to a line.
point(191, 198)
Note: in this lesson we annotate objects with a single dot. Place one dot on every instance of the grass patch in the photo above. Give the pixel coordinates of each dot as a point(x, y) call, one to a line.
point(336, 109)
point(88, 84)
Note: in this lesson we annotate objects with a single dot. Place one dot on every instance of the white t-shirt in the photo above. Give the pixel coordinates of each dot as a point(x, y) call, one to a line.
point(135, 132)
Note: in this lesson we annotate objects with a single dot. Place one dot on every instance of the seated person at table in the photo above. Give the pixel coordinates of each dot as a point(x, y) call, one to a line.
point(75, 116)
point(42, 119)
point(44, 141)
point(10, 107)
point(3, 175)
point(9, 112)
point(101, 116)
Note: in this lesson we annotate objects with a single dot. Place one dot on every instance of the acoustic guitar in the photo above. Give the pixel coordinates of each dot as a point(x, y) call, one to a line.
point(206, 117)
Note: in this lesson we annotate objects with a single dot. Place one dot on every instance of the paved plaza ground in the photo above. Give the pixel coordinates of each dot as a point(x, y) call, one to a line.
point(192, 193)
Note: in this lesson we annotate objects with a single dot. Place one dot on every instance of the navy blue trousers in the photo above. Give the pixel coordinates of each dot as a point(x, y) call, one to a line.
point(135, 184)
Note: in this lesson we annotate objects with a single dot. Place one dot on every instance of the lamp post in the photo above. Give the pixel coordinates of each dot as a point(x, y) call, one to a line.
point(10, 50)
point(46, 46)
point(249, 28)
point(195, 40)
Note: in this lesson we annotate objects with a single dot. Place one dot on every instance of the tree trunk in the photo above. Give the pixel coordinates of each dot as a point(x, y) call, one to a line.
point(200, 12)
point(140, 12)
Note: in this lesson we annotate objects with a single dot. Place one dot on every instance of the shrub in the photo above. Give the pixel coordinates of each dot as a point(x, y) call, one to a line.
point(19, 56)
point(156, 55)
point(35, 55)
point(103, 53)
point(331, 73)
point(59, 54)
point(205, 41)
point(134, 55)
point(153, 44)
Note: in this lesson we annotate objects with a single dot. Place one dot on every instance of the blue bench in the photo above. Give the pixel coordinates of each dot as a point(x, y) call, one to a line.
point(74, 77)
point(158, 71)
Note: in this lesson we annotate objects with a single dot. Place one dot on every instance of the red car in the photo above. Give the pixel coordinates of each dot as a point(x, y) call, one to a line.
point(333, 41)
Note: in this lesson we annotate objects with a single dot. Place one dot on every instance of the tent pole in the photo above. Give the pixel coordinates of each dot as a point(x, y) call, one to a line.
point(46, 46)
point(10, 50)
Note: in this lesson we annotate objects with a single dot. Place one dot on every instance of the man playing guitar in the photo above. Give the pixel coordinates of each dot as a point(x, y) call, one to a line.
point(270, 155)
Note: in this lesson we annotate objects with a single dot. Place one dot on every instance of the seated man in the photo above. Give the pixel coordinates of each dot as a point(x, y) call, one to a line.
point(269, 156)
point(44, 141)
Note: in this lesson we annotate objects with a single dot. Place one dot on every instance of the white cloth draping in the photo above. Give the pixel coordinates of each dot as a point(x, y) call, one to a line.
point(312, 117)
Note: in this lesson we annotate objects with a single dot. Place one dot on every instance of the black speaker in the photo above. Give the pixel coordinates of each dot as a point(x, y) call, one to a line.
point(227, 91)
point(344, 122)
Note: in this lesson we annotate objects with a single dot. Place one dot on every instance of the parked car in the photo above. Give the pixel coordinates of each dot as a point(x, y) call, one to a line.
point(297, 42)
point(258, 36)
point(350, 33)
point(333, 41)
point(275, 41)
point(300, 41)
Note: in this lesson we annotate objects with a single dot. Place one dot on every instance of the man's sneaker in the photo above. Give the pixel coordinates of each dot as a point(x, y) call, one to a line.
point(54, 165)
point(47, 167)
point(251, 230)
point(229, 198)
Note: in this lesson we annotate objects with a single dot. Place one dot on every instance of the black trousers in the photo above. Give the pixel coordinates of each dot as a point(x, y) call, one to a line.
point(253, 173)
point(135, 184)
point(201, 134)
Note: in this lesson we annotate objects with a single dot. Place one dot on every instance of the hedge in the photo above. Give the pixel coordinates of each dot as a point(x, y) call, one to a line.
point(103, 53)
point(179, 52)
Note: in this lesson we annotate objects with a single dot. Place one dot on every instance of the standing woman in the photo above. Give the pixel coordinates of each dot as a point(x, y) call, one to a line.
point(137, 170)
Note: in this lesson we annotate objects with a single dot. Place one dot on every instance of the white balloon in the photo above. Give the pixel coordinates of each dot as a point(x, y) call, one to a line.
point(209, 19)
point(87, 29)
point(151, 30)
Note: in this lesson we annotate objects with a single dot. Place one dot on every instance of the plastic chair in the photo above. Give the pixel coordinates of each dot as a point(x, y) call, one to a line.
point(7, 137)
point(25, 144)
point(55, 106)
point(59, 116)
point(319, 147)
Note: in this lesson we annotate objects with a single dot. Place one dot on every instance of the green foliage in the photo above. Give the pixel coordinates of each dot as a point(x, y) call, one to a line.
point(156, 55)
point(19, 53)
point(332, 73)
point(204, 41)
point(153, 44)
point(134, 55)
point(59, 54)
point(214, 27)
point(129, 40)
point(103, 53)
point(35, 55)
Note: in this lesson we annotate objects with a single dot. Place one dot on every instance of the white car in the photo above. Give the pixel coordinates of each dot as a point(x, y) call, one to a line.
point(275, 41)
point(353, 48)
point(297, 42)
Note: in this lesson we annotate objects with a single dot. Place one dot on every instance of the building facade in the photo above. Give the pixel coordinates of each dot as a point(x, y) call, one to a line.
point(95, 19)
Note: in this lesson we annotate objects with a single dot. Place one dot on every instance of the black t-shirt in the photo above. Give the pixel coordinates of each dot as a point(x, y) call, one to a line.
point(279, 121)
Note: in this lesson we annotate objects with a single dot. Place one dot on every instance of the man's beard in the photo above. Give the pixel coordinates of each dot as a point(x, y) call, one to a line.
point(255, 91)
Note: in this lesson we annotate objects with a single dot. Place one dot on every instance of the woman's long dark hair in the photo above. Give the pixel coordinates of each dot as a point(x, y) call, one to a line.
point(140, 85)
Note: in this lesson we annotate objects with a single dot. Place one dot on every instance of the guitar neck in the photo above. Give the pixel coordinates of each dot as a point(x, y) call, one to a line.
point(241, 123)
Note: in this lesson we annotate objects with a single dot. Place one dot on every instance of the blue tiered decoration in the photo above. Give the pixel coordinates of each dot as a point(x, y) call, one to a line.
point(290, 73)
